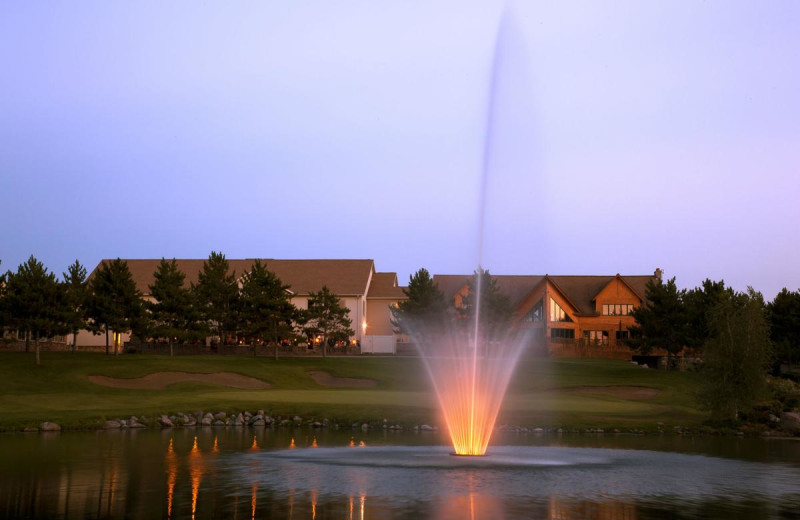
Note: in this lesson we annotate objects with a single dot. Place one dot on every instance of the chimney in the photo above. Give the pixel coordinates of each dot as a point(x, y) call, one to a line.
point(658, 273)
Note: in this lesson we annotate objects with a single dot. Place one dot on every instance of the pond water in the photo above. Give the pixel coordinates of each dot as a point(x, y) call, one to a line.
point(314, 474)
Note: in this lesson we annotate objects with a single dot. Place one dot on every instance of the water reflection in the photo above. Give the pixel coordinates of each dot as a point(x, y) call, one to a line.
point(222, 473)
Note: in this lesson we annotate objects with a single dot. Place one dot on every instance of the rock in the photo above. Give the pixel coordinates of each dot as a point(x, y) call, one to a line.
point(297, 418)
point(48, 426)
point(286, 422)
point(206, 421)
point(220, 416)
point(257, 421)
point(538, 430)
point(790, 421)
point(261, 413)
point(316, 424)
point(364, 427)
point(191, 424)
point(111, 425)
point(268, 420)
point(239, 420)
point(135, 424)
point(774, 418)
point(165, 422)
point(426, 428)
point(30, 429)
point(247, 414)
point(219, 423)
point(133, 419)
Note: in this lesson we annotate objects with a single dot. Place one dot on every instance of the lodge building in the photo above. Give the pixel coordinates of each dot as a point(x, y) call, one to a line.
point(567, 316)
point(562, 316)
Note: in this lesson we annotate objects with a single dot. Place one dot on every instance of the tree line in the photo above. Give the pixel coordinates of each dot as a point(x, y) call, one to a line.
point(254, 307)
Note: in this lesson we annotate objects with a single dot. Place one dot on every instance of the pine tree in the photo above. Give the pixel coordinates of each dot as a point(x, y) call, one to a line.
point(662, 322)
point(216, 296)
point(326, 318)
point(75, 291)
point(783, 314)
point(492, 308)
point(35, 302)
point(115, 304)
point(171, 313)
point(424, 311)
point(267, 312)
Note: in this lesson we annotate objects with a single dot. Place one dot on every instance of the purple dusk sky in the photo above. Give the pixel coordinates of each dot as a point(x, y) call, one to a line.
point(624, 135)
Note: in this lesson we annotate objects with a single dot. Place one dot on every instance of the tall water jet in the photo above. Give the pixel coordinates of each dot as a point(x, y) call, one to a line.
point(470, 353)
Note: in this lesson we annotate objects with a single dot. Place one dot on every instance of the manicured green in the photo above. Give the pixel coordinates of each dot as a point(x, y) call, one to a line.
point(59, 390)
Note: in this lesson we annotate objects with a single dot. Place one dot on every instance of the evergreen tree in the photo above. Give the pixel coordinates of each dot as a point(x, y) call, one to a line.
point(486, 301)
point(266, 311)
point(172, 313)
point(736, 356)
point(75, 291)
point(326, 318)
point(698, 303)
point(424, 311)
point(661, 322)
point(783, 314)
point(115, 304)
point(217, 297)
point(35, 302)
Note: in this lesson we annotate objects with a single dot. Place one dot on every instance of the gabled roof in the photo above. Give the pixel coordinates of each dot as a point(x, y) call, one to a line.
point(579, 291)
point(343, 277)
point(516, 287)
point(384, 285)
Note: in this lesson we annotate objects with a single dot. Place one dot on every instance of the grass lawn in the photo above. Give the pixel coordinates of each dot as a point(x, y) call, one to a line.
point(543, 393)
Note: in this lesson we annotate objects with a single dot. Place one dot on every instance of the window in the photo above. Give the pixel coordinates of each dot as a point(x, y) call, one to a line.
point(310, 304)
point(557, 313)
point(622, 334)
point(617, 309)
point(562, 333)
point(596, 336)
point(536, 314)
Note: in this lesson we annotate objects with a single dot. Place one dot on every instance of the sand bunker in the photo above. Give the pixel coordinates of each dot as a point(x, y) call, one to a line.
point(325, 379)
point(637, 393)
point(160, 380)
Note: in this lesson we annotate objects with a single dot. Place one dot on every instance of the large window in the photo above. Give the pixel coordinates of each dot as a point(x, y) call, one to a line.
point(562, 333)
point(536, 314)
point(617, 309)
point(557, 313)
point(596, 336)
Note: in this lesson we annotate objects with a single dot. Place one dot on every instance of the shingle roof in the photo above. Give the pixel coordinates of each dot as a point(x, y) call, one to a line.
point(343, 277)
point(516, 287)
point(384, 285)
point(579, 290)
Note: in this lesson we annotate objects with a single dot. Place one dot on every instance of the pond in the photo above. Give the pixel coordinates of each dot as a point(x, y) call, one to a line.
point(320, 474)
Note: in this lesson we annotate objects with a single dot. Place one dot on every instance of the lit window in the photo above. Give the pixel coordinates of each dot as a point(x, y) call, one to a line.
point(557, 313)
point(617, 309)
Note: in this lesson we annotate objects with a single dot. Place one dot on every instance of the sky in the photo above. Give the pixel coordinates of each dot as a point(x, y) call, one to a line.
point(574, 137)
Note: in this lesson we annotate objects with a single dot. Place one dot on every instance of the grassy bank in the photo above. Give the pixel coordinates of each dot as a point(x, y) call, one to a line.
point(547, 393)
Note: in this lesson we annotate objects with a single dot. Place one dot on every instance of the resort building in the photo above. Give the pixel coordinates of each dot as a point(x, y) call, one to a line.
point(367, 293)
point(567, 316)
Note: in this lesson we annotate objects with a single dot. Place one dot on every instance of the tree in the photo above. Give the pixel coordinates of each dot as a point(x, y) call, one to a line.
point(115, 304)
point(172, 313)
point(661, 322)
point(216, 296)
point(783, 314)
point(736, 356)
point(326, 318)
point(487, 302)
point(267, 312)
point(35, 302)
point(75, 293)
point(698, 302)
point(424, 310)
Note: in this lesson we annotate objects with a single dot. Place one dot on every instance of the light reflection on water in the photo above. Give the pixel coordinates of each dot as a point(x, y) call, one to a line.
point(237, 473)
